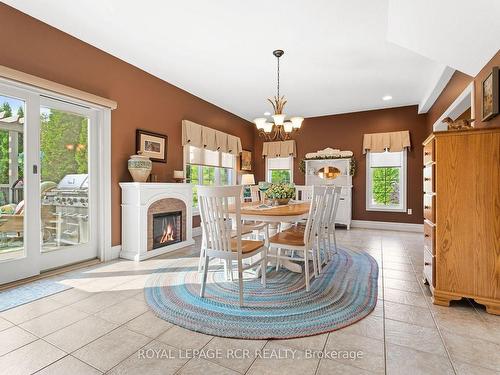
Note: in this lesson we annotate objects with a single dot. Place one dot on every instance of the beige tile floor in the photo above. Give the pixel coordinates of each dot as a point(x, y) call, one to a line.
point(103, 323)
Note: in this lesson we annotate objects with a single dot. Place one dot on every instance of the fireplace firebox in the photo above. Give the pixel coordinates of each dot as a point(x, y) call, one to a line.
point(167, 228)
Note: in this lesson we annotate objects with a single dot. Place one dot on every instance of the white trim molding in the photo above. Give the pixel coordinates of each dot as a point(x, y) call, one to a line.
point(113, 253)
point(436, 89)
point(387, 225)
point(464, 101)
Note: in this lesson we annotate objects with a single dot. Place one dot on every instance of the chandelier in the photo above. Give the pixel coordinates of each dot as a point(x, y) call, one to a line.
point(278, 129)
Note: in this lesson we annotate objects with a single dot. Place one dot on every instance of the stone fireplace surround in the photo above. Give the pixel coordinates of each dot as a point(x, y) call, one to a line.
point(140, 200)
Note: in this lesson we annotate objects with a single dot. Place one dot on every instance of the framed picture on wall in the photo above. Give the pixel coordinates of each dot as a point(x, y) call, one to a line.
point(246, 160)
point(489, 95)
point(152, 145)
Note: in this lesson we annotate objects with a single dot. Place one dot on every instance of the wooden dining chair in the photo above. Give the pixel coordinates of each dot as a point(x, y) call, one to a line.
point(302, 241)
point(220, 242)
point(255, 193)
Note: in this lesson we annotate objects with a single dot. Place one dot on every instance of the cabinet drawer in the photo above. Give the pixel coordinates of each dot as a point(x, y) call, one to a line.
point(429, 237)
point(429, 268)
point(429, 203)
point(429, 152)
point(429, 178)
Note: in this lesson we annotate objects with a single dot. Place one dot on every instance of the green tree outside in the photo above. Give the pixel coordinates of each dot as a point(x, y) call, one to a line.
point(385, 186)
point(280, 176)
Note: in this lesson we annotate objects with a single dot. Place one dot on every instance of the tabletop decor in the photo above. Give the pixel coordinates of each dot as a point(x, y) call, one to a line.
point(152, 145)
point(280, 194)
point(344, 293)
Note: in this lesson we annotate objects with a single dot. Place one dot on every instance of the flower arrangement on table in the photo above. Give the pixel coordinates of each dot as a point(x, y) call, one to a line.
point(280, 194)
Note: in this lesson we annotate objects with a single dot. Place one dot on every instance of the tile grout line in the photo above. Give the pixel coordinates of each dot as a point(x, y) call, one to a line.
point(383, 304)
point(437, 326)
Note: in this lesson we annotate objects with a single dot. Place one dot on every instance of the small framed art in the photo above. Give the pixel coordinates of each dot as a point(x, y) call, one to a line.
point(152, 145)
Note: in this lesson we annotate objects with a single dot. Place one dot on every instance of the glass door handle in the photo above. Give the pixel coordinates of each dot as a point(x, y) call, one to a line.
point(35, 169)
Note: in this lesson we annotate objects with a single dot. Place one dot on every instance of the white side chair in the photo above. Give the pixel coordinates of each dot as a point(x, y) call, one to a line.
point(333, 215)
point(220, 242)
point(302, 241)
point(327, 227)
point(303, 193)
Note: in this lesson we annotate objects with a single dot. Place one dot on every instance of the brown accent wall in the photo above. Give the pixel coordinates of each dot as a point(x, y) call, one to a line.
point(345, 132)
point(144, 101)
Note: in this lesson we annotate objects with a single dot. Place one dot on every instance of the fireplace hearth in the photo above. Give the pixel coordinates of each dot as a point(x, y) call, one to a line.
point(167, 228)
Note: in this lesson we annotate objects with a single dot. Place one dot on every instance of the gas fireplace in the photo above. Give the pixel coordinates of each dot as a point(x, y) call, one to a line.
point(167, 228)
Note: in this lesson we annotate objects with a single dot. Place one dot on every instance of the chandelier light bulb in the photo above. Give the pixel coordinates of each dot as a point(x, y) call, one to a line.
point(268, 127)
point(279, 119)
point(297, 122)
point(288, 126)
point(260, 122)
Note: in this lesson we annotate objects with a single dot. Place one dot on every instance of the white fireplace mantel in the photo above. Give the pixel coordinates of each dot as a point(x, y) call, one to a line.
point(136, 199)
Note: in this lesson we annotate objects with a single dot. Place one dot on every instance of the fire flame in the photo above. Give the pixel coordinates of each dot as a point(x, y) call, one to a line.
point(168, 234)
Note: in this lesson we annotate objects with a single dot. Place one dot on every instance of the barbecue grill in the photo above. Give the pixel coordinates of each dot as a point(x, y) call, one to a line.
point(70, 201)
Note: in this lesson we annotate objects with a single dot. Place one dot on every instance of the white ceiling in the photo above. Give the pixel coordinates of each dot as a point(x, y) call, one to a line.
point(463, 34)
point(337, 58)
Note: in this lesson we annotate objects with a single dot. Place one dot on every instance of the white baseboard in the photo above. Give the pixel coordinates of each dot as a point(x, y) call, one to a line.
point(196, 232)
point(114, 253)
point(386, 225)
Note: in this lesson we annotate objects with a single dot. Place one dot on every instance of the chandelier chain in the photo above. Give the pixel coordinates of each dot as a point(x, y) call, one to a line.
point(278, 76)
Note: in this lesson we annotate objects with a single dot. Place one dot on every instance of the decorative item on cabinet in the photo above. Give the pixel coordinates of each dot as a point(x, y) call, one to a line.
point(461, 226)
point(462, 124)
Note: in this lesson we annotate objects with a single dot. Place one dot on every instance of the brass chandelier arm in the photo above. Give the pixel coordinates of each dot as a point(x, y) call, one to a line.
point(278, 133)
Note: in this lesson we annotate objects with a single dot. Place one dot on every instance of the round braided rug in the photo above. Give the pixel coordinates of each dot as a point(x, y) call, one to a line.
point(344, 293)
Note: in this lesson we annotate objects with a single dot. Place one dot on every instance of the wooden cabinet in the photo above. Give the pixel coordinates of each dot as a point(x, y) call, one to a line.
point(462, 216)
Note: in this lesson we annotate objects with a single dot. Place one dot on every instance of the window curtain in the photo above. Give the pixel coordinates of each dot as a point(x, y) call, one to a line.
point(279, 149)
point(209, 139)
point(191, 134)
point(392, 142)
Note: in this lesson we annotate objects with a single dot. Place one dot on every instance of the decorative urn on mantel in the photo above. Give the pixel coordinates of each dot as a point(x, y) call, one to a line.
point(139, 167)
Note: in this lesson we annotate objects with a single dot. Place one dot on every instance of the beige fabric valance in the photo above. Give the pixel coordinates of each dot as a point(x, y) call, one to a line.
point(380, 142)
point(207, 138)
point(279, 149)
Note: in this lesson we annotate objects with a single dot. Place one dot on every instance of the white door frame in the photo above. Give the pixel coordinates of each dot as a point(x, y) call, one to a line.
point(31, 264)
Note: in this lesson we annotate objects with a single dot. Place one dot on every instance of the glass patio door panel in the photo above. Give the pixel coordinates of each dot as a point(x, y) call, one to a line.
point(11, 177)
point(67, 188)
point(19, 237)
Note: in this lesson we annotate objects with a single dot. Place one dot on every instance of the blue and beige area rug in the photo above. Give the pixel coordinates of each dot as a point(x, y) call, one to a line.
point(345, 292)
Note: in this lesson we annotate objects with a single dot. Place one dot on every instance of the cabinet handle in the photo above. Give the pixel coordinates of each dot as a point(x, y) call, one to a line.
point(427, 264)
point(427, 207)
point(426, 235)
point(427, 153)
point(427, 179)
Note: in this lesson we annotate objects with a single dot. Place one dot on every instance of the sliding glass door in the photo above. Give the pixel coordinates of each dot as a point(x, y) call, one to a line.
point(67, 183)
point(48, 183)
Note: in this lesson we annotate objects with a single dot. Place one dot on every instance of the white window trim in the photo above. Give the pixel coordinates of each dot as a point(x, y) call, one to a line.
point(290, 166)
point(185, 156)
point(369, 206)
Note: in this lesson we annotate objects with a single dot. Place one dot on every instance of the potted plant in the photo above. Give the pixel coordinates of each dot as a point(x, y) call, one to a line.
point(280, 194)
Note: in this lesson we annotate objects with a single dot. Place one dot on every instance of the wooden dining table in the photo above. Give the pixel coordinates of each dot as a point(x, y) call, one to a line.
point(289, 213)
